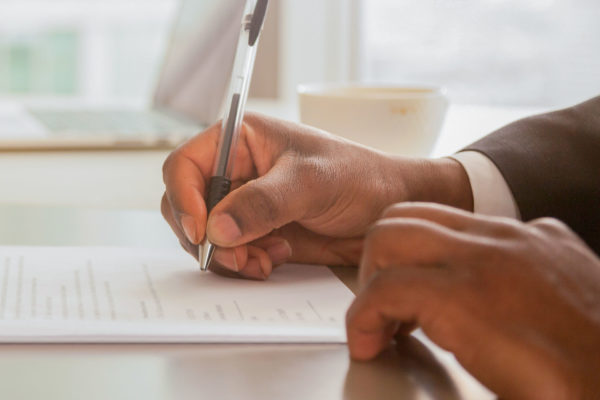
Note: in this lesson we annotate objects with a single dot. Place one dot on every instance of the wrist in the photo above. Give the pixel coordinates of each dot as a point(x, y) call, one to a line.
point(442, 181)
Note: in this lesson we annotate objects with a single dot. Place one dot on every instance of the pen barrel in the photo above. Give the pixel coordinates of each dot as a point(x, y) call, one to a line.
point(251, 25)
point(237, 95)
point(218, 188)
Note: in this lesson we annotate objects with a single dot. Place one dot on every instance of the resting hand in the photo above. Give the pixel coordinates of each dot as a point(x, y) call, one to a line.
point(299, 195)
point(518, 304)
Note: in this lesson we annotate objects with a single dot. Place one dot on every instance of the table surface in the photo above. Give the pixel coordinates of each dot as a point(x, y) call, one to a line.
point(415, 369)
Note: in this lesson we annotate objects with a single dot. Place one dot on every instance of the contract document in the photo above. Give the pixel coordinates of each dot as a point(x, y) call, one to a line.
point(98, 294)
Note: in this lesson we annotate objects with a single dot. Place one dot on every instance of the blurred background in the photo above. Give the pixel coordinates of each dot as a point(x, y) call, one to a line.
point(497, 52)
point(85, 48)
point(499, 60)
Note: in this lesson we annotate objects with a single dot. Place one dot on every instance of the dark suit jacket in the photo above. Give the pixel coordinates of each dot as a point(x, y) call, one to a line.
point(551, 163)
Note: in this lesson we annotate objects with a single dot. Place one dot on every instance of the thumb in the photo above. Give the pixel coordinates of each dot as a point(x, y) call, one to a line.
point(257, 208)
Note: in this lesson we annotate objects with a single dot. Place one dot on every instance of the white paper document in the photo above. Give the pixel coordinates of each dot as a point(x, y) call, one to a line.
point(95, 294)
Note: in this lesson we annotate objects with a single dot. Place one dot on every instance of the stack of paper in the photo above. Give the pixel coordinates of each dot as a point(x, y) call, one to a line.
point(63, 294)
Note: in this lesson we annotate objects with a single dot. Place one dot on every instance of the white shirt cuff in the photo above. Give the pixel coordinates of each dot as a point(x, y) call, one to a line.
point(491, 194)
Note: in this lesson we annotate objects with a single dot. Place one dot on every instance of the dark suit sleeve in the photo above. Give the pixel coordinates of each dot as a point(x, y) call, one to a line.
point(551, 163)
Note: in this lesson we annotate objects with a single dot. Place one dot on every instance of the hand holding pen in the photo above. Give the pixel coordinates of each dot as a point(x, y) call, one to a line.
point(298, 195)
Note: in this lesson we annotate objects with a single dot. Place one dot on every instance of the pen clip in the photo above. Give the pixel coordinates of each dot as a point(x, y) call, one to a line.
point(258, 17)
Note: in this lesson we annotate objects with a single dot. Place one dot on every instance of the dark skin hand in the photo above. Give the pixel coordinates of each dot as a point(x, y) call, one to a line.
point(518, 304)
point(299, 195)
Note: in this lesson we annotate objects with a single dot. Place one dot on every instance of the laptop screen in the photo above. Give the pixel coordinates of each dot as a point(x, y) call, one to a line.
point(198, 63)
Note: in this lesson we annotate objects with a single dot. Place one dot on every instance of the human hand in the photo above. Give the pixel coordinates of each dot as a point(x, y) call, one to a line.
point(518, 304)
point(299, 195)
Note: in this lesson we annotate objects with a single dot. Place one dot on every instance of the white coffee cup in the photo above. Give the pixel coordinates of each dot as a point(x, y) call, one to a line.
point(403, 120)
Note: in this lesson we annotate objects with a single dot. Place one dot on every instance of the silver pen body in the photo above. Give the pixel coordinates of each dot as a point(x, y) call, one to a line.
point(220, 183)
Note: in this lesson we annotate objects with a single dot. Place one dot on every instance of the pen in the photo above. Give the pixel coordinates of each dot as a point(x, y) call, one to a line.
point(220, 183)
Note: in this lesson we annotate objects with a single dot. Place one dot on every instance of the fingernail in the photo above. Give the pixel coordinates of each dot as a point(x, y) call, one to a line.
point(280, 252)
point(188, 223)
point(226, 258)
point(252, 270)
point(223, 230)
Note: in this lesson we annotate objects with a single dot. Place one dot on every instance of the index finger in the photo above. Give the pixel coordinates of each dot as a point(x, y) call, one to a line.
point(452, 218)
point(393, 296)
point(399, 242)
point(187, 170)
point(185, 173)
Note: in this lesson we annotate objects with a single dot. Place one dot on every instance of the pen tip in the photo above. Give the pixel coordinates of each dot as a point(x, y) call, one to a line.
point(206, 255)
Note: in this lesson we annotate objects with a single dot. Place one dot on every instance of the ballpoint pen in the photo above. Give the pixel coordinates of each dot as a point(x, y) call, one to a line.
point(220, 183)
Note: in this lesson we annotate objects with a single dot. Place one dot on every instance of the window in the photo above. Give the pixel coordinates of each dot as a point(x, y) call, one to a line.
point(89, 49)
point(505, 52)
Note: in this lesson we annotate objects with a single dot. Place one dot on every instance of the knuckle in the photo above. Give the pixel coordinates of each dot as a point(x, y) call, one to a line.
point(550, 225)
point(551, 229)
point(507, 228)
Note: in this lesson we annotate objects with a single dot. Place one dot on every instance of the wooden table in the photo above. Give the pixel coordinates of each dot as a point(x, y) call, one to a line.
point(415, 369)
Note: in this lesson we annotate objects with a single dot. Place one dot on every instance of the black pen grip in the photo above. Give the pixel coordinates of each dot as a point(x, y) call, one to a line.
point(218, 188)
